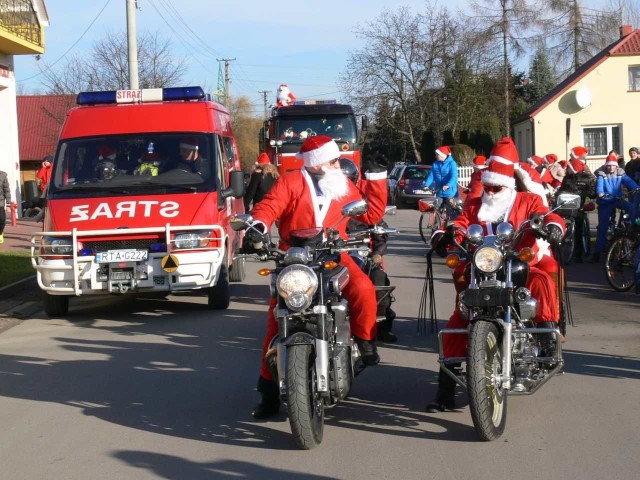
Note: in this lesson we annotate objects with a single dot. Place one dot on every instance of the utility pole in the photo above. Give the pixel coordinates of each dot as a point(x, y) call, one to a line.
point(264, 97)
point(226, 78)
point(132, 43)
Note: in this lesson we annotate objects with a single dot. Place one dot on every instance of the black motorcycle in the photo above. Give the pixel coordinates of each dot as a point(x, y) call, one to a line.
point(314, 357)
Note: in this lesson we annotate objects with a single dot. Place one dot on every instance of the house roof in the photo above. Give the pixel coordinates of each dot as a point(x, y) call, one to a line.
point(627, 45)
point(40, 118)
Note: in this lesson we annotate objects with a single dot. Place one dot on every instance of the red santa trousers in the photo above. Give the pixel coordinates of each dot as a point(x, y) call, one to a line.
point(542, 289)
point(361, 295)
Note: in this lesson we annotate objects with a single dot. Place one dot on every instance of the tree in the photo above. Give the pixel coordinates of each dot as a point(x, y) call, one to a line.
point(106, 66)
point(508, 22)
point(246, 128)
point(542, 78)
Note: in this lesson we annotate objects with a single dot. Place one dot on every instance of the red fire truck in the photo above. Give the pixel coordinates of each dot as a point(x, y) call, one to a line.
point(143, 187)
point(289, 126)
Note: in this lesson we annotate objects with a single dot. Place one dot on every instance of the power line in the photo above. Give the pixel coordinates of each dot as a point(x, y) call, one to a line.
point(48, 67)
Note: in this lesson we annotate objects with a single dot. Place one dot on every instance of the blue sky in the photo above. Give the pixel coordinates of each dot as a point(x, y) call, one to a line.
point(304, 44)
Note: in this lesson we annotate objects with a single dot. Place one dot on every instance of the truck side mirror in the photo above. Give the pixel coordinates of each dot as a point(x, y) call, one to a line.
point(236, 184)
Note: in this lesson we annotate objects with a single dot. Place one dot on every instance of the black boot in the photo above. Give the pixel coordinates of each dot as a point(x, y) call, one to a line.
point(368, 351)
point(270, 403)
point(446, 394)
point(548, 342)
point(384, 328)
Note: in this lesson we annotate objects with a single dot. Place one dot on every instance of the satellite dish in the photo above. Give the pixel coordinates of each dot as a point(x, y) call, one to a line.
point(583, 97)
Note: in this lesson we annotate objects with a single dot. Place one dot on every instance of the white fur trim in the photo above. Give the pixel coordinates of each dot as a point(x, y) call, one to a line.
point(532, 186)
point(320, 155)
point(375, 175)
point(561, 227)
point(499, 159)
point(441, 152)
point(494, 178)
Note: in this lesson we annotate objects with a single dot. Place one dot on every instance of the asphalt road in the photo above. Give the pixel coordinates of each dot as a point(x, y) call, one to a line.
point(149, 388)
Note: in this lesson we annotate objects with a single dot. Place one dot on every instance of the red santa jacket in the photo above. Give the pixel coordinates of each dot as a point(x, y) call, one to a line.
point(293, 201)
point(475, 185)
point(523, 204)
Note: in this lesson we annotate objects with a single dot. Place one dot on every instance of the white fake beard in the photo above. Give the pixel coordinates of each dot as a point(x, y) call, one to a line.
point(494, 207)
point(334, 183)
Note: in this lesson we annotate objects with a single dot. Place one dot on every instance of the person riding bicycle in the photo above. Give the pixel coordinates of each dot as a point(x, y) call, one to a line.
point(501, 202)
point(609, 190)
point(443, 175)
point(378, 276)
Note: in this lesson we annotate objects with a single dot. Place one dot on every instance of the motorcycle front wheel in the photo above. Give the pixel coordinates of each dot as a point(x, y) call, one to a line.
point(304, 404)
point(487, 398)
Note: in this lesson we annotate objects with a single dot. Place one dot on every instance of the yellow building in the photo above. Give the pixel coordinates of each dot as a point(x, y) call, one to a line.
point(22, 25)
point(598, 107)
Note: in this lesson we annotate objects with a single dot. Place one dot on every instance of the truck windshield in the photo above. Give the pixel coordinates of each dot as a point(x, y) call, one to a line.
point(134, 164)
point(295, 129)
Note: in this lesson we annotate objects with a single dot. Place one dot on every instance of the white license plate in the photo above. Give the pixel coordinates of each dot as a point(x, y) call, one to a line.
point(422, 192)
point(112, 256)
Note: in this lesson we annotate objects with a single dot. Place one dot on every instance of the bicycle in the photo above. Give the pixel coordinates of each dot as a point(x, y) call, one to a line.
point(433, 214)
point(622, 258)
point(574, 213)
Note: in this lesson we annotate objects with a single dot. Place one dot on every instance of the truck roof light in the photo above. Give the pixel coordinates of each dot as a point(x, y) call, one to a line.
point(314, 102)
point(140, 96)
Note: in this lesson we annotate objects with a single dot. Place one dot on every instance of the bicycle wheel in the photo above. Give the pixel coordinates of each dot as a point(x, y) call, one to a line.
point(619, 263)
point(586, 236)
point(425, 225)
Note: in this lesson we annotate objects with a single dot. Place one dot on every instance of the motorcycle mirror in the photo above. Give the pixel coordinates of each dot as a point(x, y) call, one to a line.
point(240, 221)
point(475, 233)
point(390, 210)
point(353, 209)
point(504, 231)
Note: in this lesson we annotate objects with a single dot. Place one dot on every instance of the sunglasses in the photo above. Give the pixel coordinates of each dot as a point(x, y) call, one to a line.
point(492, 188)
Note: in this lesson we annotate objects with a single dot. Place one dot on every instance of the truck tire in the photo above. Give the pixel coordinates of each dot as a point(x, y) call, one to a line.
point(56, 305)
point(219, 296)
point(237, 272)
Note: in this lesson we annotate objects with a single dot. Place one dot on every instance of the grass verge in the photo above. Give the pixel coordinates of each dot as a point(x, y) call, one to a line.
point(15, 266)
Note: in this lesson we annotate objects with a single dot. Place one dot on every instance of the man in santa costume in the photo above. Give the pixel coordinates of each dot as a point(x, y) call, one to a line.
point(313, 197)
point(501, 202)
point(474, 189)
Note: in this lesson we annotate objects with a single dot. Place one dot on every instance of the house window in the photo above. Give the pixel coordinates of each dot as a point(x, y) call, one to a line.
point(601, 140)
point(634, 78)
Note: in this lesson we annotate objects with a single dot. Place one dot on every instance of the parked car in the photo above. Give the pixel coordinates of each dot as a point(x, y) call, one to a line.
point(405, 184)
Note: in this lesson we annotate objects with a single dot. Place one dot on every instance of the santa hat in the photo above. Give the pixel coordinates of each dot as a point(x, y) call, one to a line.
point(577, 166)
point(106, 152)
point(480, 162)
point(551, 158)
point(444, 150)
point(535, 161)
point(318, 150)
point(612, 160)
point(579, 152)
point(189, 144)
point(502, 162)
point(263, 159)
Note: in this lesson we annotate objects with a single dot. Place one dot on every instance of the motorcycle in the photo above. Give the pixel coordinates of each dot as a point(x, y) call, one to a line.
point(314, 357)
point(504, 355)
point(570, 207)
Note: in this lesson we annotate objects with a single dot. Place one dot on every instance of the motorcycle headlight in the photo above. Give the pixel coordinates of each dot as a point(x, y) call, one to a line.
point(487, 259)
point(297, 284)
point(191, 240)
point(58, 246)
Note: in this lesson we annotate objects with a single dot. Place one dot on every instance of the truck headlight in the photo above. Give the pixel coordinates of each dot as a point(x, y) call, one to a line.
point(57, 246)
point(297, 284)
point(191, 240)
point(487, 259)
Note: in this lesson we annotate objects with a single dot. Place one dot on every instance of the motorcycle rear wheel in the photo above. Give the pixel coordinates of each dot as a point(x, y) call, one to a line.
point(619, 263)
point(304, 404)
point(487, 400)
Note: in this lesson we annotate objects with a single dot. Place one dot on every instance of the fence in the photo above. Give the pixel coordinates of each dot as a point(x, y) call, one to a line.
point(464, 172)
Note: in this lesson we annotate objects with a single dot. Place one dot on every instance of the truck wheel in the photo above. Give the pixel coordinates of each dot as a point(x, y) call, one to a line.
point(219, 296)
point(237, 272)
point(56, 305)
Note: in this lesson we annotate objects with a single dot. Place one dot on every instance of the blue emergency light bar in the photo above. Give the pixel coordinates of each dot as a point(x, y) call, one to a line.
point(140, 96)
point(314, 102)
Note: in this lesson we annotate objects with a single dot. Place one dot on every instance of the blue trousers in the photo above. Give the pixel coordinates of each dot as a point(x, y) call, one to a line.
point(605, 209)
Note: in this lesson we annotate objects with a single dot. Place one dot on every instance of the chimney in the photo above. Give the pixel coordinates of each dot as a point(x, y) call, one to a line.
point(625, 30)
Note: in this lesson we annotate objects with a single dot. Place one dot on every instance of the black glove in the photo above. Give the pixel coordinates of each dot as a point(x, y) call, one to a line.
point(374, 167)
point(255, 235)
point(439, 243)
point(554, 234)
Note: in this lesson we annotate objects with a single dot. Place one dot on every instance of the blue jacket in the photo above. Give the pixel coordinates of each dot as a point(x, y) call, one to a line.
point(441, 174)
point(612, 185)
